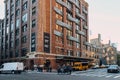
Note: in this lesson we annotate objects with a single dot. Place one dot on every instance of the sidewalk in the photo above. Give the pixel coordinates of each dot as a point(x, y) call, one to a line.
point(44, 72)
point(55, 72)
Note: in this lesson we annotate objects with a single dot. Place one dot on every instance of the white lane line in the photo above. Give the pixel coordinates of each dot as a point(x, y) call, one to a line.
point(117, 76)
point(108, 76)
point(101, 75)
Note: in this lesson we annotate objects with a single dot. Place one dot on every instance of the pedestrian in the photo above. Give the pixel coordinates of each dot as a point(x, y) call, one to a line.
point(50, 68)
point(69, 68)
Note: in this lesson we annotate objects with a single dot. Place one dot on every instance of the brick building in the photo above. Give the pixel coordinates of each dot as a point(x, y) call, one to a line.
point(107, 53)
point(37, 31)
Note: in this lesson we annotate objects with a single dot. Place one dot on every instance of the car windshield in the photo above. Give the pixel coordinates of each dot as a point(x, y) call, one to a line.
point(1, 66)
point(113, 66)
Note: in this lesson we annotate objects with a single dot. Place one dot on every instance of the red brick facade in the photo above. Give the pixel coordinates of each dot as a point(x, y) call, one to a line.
point(66, 22)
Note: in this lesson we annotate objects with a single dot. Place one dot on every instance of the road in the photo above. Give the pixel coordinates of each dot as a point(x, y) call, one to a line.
point(98, 74)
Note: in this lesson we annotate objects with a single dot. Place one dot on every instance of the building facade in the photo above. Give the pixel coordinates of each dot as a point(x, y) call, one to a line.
point(110, 54)
point(118, 58)
point(37, 31)
point(107, 53)
point(1, 38)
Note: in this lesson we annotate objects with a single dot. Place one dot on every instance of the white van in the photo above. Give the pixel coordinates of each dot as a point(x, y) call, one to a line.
point(12, 67)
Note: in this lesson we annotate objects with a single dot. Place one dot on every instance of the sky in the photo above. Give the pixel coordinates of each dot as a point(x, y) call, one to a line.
point(2, 9)
point(104, 19)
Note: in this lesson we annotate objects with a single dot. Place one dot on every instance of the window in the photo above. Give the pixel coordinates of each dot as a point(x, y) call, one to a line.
point(77, 10)
point(77, 27)
point(57, 27)
point(69, 52)
point(78, 45)
point(17, 23)
point(68, 3)
point(17, 32)
point(17, 12)
point(34, 11)
point(24, 39)
point(69, 33)
point(11, 44)
point(16, 53)
point(16, 42)
point(59, 17)
point(33, 1)
point(12, 27)
point(77, 2)
point(24, 28)
point(69, 22)
point(78, 36)
point(33, 23)
point(11, 54)
point(33, 42)
point(11, 36)
point(59, 6)
point(59, 39)
point(23, 51)
point(7, 30)
point(6, 45)
point(17, 3)
point(11, 1)
point(12, 17)
point(70, 43)
point(78, 54)
point(24, 18)
point(12, 8)
point(25, 6)
point(6, 56)
point(3, 32)
point(7, 22)
point(56, 38)
point(7, 12)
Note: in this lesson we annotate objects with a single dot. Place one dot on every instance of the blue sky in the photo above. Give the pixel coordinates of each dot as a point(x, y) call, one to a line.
point(104, 18)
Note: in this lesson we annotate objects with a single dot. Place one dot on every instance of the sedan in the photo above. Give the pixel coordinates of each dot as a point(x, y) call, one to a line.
point(113, 68)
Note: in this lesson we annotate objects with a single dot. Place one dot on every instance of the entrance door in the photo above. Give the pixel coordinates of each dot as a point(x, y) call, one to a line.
point(32, 64)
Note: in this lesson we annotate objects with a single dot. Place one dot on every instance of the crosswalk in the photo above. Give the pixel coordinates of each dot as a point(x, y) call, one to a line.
point(88, 73)
point(98, 73)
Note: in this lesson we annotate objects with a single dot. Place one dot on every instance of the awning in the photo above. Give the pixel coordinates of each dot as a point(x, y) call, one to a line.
point(73, 58)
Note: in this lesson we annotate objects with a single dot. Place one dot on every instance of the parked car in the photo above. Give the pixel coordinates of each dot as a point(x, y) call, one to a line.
point(107, 66)
point(103, 66)
point(113, 68)
point(12, 67)
point(95, 67)
point(64, 69)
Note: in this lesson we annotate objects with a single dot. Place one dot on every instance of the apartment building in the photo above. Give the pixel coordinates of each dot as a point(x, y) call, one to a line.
point(110, 53)
point(40, 31)
point(1, 38)
point(107, 53)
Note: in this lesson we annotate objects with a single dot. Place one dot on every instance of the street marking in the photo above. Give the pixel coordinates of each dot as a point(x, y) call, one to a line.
point(101, 75)
point(88, 75)
point(98, 73)
point(93, 75)
point(108, 76)
point(117, 76)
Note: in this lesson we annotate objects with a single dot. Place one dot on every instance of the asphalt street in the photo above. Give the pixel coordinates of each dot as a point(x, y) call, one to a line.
point(98, 74)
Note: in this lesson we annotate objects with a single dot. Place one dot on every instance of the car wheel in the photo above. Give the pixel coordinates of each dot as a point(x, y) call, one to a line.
point(19, 72)
point(108, 71)
point(13, 72)
point(117, 71)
